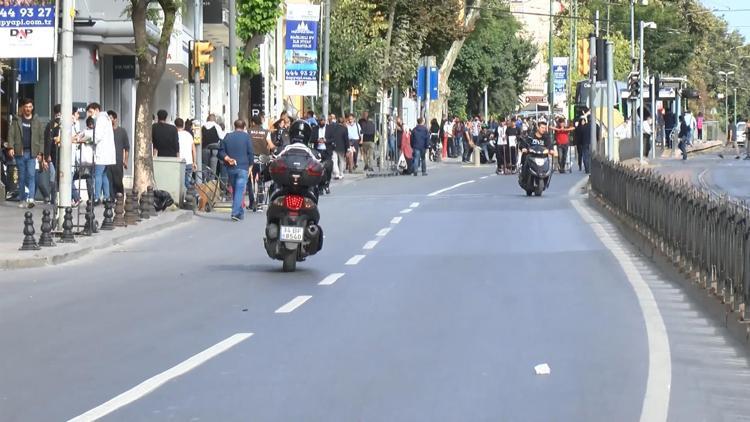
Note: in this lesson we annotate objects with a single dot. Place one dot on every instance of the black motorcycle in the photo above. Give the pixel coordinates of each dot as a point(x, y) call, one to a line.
point(292, 230)
point(536, 170)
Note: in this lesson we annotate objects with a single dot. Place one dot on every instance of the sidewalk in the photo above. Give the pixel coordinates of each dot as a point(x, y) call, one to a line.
point(11, 236)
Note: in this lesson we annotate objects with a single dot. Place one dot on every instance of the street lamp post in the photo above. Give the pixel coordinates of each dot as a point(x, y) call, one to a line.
point(726, 75)
point(650, 25)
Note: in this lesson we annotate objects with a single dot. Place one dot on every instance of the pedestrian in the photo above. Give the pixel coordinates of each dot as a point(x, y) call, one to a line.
point(324, 147)
point(47, 178)
point(468, 142)
point(562, 140)
point(448, 131)
point(459, 132)
point(501, 148)
point(104, 151)
point(236, 151)
point(420, 141)
point(187, 150)
point(164, 137)
point(435, 137)
point(399, 134)
point(280, 134)
point(26, 140)
point(336, 137)
point(262, 149)
point(116, 171)
point(84, 163)
point(647, 134)
point(699, 125)
point(732, 140)
point(391, 139)
point(690, 122)
point(354, 133)
point(368, 130)
point(669, 125)
point(683, 135)
point(584, 136)
point(211, 136)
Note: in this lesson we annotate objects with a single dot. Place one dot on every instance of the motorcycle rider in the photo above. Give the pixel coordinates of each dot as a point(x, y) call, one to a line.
point(540, 137)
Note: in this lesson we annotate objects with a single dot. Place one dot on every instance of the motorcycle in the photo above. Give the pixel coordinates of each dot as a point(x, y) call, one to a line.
point(435, 149)
point(292, 221)
point(536, 171)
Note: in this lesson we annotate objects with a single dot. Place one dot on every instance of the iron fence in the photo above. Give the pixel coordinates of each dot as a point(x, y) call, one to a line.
point(706, 236)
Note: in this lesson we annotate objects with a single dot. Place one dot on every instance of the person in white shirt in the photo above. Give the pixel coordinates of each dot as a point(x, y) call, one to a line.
point(187, 150)
point(647, 133)
point(448, 130)
point(104, 151)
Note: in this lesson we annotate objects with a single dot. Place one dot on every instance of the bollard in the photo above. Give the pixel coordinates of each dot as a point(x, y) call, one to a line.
point(87, 226)
point(46, 238)
point(477, 156)
point(131, 210)
point(67, 234)
point(29, 242)
point(119, 211)
point(143, 207)
point(108, 224)
point(150, 203)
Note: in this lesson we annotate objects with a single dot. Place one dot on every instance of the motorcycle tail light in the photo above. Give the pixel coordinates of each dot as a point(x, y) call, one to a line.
point(278, 167)
point(294, 202)
point(313, 171)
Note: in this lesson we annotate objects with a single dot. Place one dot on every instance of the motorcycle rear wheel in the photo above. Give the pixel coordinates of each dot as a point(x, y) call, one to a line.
point(290, 262)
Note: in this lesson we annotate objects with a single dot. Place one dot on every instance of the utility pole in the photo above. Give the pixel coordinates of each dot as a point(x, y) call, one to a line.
point(654, 94)
point(641, 75)
point(550, 75)
point(234, 99)
point(592, 93)
point(197, 24)
point(66, 105)
point(610, 101)
point(327, 58)
point(735, 108)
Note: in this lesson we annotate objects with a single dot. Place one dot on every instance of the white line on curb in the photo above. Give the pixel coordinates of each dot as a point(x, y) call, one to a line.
point(414, 205)
point(355, 260)
point(383, 232)
point(370, 245)
point(151, 384)
point(396, 220)
point(658, 384)
point(332, 278)
point(293, 304)
point(457, 185)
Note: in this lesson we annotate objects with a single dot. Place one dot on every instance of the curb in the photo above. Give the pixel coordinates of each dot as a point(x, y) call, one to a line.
point(63, 257)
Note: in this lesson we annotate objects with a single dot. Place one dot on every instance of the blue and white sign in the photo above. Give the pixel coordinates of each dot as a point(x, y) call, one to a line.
point(301, 53)
point(422, 83)
point(27, 31)
point(560, 78)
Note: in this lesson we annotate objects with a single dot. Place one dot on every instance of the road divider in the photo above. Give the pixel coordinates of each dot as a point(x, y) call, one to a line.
point(151, 384)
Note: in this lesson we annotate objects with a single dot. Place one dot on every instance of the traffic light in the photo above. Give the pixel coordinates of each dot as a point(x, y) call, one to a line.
point(601, 59)
point(583, 57)
point(634, 84)
point(200, 57)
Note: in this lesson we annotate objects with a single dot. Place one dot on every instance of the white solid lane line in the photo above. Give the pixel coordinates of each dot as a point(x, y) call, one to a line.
point(151, 384)
point(331, 279)
point(414, 205)
point(396, 220)
point(457, 185)
point(658, 383)
point(293, 304)
point(484, 177)
point(355, 260)
point(407, 210)
point(383, 232)
point(370, 245)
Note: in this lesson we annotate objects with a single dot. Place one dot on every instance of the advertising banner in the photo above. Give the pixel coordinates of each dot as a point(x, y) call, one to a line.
point(27, 28)
point(301, 52)
point(560, 81)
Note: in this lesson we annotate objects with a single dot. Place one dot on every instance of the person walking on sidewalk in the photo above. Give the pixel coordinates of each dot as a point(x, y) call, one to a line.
point(122, 149)
point(562, 139)
point(236, 151)
point(683, 135)
point(26, 140)
point(699, 125)
point(368, 139)
point(187, 150)
point(104, 151)
point(420, 141)
point(164, 137)
point(354, 133)
point(732, 140)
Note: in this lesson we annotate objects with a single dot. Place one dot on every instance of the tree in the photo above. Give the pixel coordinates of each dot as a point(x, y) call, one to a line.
point(150, 71)
point(255, 18)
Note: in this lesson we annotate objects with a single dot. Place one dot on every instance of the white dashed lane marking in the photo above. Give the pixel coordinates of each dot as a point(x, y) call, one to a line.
point(457, 185)
point(396, 220)
point(293, 304)
point(355, 260)
point(383, 232)
point(370, 245)
point(414, 205)
point(332, 278)
point(407, 210)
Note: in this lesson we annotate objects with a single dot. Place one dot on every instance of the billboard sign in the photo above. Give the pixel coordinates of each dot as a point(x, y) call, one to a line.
point(560, 78)
point(301, 53)
point(27, 29)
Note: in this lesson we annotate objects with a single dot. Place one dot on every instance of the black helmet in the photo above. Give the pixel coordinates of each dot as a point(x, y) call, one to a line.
point(300, 131)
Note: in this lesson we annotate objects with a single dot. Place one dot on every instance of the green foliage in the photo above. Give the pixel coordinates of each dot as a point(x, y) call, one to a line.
point(494, 56)
point(254, 19)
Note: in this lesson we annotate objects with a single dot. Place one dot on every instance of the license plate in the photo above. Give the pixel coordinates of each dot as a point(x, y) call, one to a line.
point(292, 234)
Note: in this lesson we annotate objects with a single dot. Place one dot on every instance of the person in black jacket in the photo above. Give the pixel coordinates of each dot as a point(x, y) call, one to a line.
point(579, 134)
point(420, 141)
point(336, 136)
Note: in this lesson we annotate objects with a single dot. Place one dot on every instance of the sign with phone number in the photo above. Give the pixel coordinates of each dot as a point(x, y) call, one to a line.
point(27, 31)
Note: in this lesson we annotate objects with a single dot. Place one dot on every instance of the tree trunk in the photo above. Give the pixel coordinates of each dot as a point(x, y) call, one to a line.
point(438, 107)
point(143, 172)
point(245, 98)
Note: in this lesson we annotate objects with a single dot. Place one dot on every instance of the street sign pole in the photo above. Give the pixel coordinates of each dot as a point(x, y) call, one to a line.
point(610, 101)
point(197, 19)
point(66, 105)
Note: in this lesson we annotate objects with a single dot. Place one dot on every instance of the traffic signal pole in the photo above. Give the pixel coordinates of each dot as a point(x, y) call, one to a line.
point(66, 105)
point(234, 89)
point(197, 26)
point(592, 103)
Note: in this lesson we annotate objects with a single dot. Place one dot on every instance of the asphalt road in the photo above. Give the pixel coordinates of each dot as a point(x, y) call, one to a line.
point(456, 297)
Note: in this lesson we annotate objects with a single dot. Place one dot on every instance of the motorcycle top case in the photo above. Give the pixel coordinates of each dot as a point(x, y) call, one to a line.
point(296, 167)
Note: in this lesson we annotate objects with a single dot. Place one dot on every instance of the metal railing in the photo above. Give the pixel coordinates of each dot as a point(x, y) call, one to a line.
point(706, 236)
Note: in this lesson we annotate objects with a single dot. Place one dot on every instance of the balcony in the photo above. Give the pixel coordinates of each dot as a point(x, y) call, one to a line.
point(216, 21)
